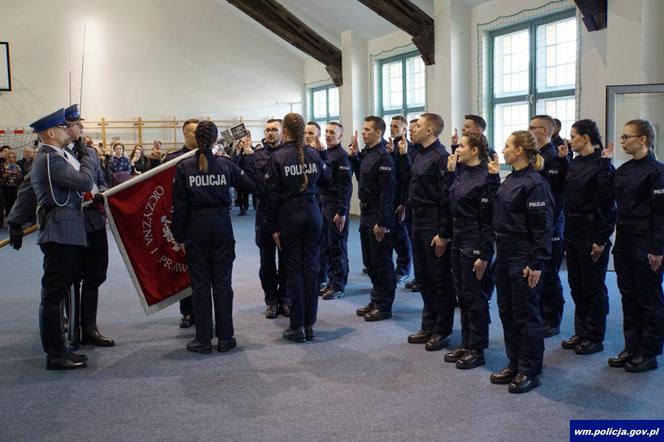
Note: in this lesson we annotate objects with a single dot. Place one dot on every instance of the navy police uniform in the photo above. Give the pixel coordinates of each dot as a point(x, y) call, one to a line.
point(377, 182)
point(428, 200)
point(336, 200)
point(471, 204)
point(522, 221)
point(201, 220)
point(294, 213)
point(589, 219)
point(639, 190)
point(402, 243)
point(553, 302)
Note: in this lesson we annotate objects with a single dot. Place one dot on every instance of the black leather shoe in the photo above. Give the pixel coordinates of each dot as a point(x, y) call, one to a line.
point(93, 337)
point(452, 356)
point(421, 337)
point(641, 363)
point(226, 344)
point(309, 332)
point(323, 288)
point(472, 359)
point(272, 311)
point(333, 294)
point(401, 277)
point(295, 335)
point(410, 284)
point(364, 310)
point(377, 315)
point(186, 321)
point(76, 357)
point(523, 383)
point(62, 361)
point(569, 344)
point(285, 310)
point(550, 330)
point(436, 342)
point(621, 360)
point(586, 347)
point(200, 347)
point(504, 376)
point(365, 270)
point(415, 287)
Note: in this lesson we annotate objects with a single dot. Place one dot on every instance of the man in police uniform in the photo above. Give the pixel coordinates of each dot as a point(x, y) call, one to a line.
point(59, 181)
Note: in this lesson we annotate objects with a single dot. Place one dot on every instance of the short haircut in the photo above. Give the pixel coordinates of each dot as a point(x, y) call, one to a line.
point(436, 121)
point(5, 147)
point(336, 123)
point(479, 121)
point(190, 121)
point(275, 120)
point(558, 123)
point(549, 121)
point(414, 120)
point(378, 122)
point(401, 119)
point(313, 123)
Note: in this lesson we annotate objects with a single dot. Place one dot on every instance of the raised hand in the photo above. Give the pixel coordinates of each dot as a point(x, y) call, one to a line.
point(389, 147)
point(318, 145)
point(608, 151)
point(452, 162)
point(353, 149)
point(563, 149)
point(455, 137)
point(494, 165)
point(403, 146)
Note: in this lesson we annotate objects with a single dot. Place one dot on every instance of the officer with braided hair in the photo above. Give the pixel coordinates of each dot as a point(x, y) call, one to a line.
point(201, 220)
point(295, 220)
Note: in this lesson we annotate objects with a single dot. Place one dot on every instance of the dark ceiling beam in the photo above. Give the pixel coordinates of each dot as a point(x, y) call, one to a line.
point(279, 20)
point(594, 13)
point(409, 18)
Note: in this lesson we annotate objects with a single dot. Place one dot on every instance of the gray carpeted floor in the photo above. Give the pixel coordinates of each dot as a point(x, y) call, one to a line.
point(358, 381)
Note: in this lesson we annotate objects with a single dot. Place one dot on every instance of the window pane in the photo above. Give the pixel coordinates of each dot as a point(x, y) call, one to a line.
point(334, 101)
point(560, 108)
point(392, 85)
point(415, 82)
point(508, 118)
point(320, 103)
point(556, 55)
point(510, 63)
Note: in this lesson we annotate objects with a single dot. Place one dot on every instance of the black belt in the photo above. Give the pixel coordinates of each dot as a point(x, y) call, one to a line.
point(511, 237)
point(464, 222)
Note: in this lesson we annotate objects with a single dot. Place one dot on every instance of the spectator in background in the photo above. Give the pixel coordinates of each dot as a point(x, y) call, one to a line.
point(88, 142)
point(155, 156)
point(10, 178)
point(25, 163)
point(117, 166)
point(242, 197)
point(138, 161)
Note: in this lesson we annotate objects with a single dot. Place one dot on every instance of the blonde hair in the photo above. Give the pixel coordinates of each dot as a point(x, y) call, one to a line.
point(526, 140)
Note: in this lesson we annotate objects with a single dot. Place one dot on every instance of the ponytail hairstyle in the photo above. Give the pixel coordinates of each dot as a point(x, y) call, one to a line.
point(479, 141)
point(294, 124)
point(206, 135)
point(589, 127)
point(526, 140)
point(644, 129)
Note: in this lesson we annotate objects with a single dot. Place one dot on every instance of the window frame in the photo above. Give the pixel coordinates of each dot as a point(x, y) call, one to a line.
point(533, 96)
point(404, 110)
point(328, 117)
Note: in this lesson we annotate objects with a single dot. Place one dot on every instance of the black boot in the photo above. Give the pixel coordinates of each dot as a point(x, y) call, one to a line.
point(294, 334)
point(90, 332)
point(53, 340)
point(309, 333)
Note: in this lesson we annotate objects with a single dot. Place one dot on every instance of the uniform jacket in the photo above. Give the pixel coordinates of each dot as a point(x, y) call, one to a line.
point(340, 188)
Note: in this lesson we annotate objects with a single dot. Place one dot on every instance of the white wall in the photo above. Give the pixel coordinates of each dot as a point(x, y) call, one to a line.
point(149, 58)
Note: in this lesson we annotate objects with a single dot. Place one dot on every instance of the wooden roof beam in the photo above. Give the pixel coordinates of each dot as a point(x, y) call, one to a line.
point(594, 13)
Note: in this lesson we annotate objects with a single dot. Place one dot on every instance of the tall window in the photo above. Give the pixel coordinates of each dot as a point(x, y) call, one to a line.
point(401, 86)
point(532, 70)
point(324, 104)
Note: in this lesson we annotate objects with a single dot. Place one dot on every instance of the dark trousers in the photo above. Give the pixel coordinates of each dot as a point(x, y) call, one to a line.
point(62, 267)
point(210, 267)
point(95, 265)
point(187, 306)
point(519, 308)
point(402, 247)
point(434, 278)
point(337, 249)
point(242, 200)
point(473, 300)
point(381, 267)
point(324, 255)
point(642, 300)
point(273, 278)
point(588, 290)
point(9, 196)
point(553, 301)
point(300, 243)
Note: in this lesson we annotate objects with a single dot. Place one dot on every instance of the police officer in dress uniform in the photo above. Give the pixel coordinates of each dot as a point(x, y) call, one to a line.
point(429, 184)
point(377, 181)
point(522, 220)
point(294, 218)
point(554, 170)
point(413, 150)
point(590, 217)
point(272, 271)
point(201, 221)
point(336, 202)
point(637, 255)
point(59, 181)
point(189, 131)
point(471, 204)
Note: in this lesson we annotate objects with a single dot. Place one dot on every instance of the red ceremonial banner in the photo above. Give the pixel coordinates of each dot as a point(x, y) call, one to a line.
point(140, 213)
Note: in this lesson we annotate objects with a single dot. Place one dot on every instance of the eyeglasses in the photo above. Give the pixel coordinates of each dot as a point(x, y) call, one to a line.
point(535, 127)
point(625, 137)
point(271, 129)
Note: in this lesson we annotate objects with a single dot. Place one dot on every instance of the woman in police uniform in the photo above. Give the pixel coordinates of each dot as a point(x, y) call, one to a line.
point(294, 218)
point(522, 220)
point(201, 221)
